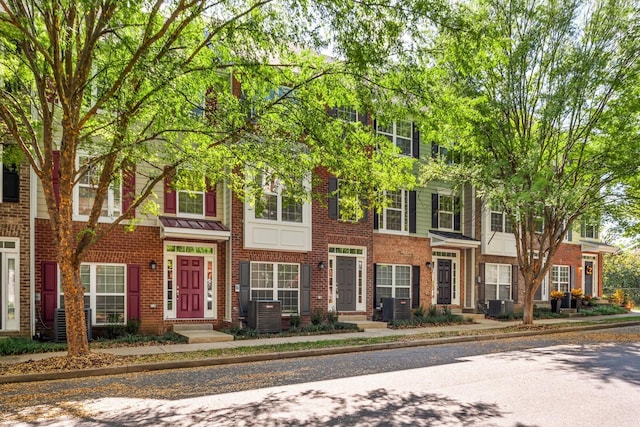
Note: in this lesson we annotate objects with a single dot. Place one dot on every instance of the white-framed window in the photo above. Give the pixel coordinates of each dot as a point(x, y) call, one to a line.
point(277, 281)
point(444, 153)
point(85, 191)
point(400, 133)
point(497, 281)
point(104, 292)
point(190, 203)
point(347, 114)
point(560, 278)
point(395, 217)
point(275, 205)
point(392, 281)
point(9, 284)
point(589, 230)
point(499, 221)
point(446, 207)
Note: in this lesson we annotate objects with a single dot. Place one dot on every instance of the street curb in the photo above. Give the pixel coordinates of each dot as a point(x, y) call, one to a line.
point(229, 360)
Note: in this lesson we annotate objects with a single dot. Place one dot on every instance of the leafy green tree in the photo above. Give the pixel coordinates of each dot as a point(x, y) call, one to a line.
point(146, 83)
point(539, 98)
point(622, 271)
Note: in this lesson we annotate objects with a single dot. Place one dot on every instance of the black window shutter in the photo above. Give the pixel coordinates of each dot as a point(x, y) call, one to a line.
point(415, 149)
point(375, 284)
point(434, 150)
point(415, 292)
point(332, 112)
point(10, 184)
point(333, 197)
point(434, 210)
point(481, 284)
point(514, 282)
point(364, 118)
point(570, 234)
point(412, 212)
point(245, 286)
point(365, 210)
point(457, 208)
point(305, 293)
point(376, 220)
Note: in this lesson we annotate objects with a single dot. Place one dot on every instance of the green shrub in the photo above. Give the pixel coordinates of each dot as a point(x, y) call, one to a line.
point(419, 312)
point(317, 316)
point(18, 345)
point(433, 311)
point(132, 327)
point(294, 321)
point(332, 317)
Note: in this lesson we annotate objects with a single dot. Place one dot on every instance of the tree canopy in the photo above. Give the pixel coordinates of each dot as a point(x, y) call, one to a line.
point(147, 85)
point(539, 99)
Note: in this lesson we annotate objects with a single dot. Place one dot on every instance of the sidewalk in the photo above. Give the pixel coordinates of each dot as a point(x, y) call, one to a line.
point(482, 324)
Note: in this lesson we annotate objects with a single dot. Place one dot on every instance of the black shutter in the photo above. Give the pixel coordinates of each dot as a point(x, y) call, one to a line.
point(376, 220)
point(364, 118)
point(245, 286)
point(434, 210)
point(572, 277)
point(365, 210)
point(415, 291)
point(305, 292)
point(333, 197)
point(10, 184)
point(570, 234)
point(412, 212)
point(415, 149)
point(514, 282)
point(481, 284)
point(457, 209)
point(434, 150)
point(375, 296)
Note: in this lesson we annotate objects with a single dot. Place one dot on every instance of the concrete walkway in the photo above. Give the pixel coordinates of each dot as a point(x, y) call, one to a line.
point(481, 324)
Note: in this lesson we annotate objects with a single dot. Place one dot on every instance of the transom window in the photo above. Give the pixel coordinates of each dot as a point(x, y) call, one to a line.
point(499, 221)
point(275, 204)
point(85, 193)
point(400, 133)
point(392, 281)
point(395, 217)
point(560, 278)
point(104, 292)
point(275, 281)
point(445, 212)
point(497, 281)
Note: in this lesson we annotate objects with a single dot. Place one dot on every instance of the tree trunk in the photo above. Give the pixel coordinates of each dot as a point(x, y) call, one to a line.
point(530, 288)
point(77, 343)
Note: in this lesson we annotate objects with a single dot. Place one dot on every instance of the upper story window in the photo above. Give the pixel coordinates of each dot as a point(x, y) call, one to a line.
point(499, 221)
point(445, 212)
point(350, 208)
point(395, 217)
point(85, 193)
point(9, 183)
point(347, 114)
point(275, 204)
point(400, 133)
point(589, 230)
point(446, 154)
point(191, 203)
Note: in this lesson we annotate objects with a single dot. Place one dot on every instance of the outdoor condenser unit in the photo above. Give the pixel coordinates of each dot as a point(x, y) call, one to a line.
point(499, 307)
point(265, 316)
point(60, 325)
point(396, 309)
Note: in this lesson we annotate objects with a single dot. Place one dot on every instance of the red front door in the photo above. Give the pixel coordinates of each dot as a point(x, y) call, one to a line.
point(190, 287)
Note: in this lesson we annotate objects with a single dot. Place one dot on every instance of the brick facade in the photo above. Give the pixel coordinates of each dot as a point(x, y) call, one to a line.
point(15, 223)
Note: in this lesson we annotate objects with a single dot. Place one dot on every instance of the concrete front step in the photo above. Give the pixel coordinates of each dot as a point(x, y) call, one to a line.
point(178, 327)
point(204, 336)
point(352, 318)
point(474, 316)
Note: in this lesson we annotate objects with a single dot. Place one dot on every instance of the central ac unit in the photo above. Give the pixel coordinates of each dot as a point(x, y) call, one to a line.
point(499, 307)
point(60, 325)
point(265, 316)
point(396, 309)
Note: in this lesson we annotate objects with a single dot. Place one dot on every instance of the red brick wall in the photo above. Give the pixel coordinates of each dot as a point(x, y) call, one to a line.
point(409, 250)
point(14, 222)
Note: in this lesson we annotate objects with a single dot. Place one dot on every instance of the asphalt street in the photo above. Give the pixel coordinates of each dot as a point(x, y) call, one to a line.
point(547, 380)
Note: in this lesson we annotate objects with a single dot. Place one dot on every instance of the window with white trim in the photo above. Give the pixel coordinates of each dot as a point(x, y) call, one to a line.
point(560, 278)
point(446, 206)
point(274, 204)
point(85, 192)
point(392, 281)
point(104, 292)
point(347, 114)
point(497, 281)
point(499, 221)
point(276, 281)
point(395, 217)
point(589, 230)
point(190, 202)
point(400, 133)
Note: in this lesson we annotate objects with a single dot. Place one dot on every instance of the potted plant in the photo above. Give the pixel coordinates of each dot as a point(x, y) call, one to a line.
point(576, 298)
point(556, 297)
